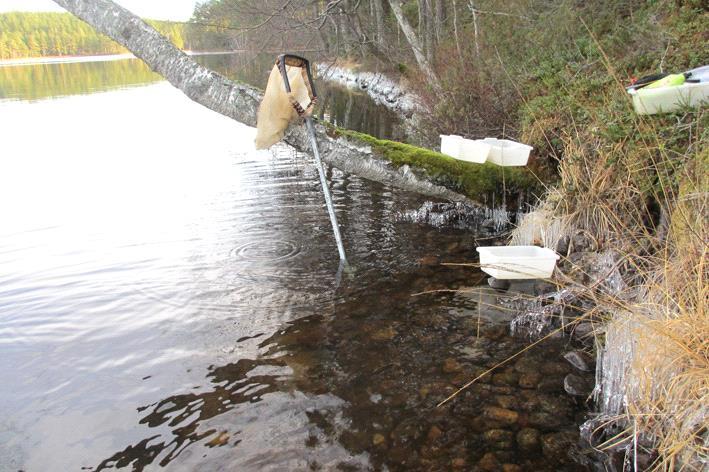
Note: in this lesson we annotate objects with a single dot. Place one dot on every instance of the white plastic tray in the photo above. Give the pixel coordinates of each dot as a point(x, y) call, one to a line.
point(450, 145)
point(474, 151)
point(668, 99)
point(469, 150)
point(517, 262)
point(505, 152)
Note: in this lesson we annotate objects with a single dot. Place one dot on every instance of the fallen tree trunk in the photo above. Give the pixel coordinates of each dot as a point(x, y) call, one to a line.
point(406, 167)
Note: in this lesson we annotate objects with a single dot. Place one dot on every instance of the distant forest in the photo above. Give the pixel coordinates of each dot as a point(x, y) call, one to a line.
point(61, 34)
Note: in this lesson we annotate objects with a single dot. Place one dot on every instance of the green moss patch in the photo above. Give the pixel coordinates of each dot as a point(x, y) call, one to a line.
point(475, 181)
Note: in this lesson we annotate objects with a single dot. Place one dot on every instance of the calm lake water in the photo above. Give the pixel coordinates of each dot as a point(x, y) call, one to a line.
point(337, 104)
point(170, 298)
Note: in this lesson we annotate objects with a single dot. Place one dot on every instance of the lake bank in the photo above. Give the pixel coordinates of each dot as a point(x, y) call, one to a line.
point(381, 87)
point(70, 59)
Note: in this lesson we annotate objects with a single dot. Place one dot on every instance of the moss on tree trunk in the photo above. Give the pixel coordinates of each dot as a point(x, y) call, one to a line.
point(474, 181)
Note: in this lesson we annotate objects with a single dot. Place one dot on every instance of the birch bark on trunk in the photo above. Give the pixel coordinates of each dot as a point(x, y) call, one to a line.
point(379, 17)
point(439, 18)
point(428, 29)
point(204, 86)
point(415, 44)
point(455, 32)
point(239, 101)
point(474, 11)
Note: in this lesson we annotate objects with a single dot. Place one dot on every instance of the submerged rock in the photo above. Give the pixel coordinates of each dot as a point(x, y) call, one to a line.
point(529, 380)
point(503, 415)
point(545, 420)
point(528, 439)
point(480, 424)
point(495, 331)
point(583, 330)
point(555, 368)
point(429, 260)
point(556, 446)
point(498, 284)
point(474, 352)
point(434, 433)
point(551, 383)
point(557, 404)
point(509, 402)
point(405, 432)
point(511, 468)
point(386, 334)
point(579, 360)
point(451, 366)
point(577, 386)
point(527, 364)
point(489, 462)
point(505, 378)
point(459, 463)
point(498, 436)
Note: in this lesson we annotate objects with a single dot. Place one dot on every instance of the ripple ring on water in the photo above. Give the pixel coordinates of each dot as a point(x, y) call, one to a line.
point(266, 251)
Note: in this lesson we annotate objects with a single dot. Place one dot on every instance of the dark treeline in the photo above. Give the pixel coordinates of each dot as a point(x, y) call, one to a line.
point(61, 34)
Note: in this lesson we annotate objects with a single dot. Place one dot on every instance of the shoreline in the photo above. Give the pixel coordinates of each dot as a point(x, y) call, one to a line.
point(31, 61)
point(383, 89)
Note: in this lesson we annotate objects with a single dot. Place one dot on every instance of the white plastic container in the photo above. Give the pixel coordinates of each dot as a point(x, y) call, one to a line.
point(668, 99)
point(700, 73)
point(505, 152)
point(474, 150)
point(450, 145)
point(469, 150)
point(517, 262)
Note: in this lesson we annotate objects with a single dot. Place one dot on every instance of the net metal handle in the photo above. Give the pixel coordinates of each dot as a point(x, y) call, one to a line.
point(296, 61)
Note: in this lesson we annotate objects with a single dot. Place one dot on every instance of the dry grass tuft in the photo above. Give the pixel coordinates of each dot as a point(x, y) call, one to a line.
point(667, 378)
point(649, 204)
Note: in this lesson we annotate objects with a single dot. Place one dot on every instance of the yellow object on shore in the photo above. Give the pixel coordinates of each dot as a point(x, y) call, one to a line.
point(671, 80)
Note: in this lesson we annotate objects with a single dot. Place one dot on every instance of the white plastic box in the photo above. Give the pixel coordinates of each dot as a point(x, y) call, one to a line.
point(668, 99)
point(517, 262)
point(463, 149)
point(450, 145)
point(505, 152)
point(474, 151)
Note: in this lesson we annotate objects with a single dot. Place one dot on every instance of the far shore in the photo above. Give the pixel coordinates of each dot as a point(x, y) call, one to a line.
point(28, 61)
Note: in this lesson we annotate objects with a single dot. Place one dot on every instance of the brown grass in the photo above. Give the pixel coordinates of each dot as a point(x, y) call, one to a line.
point(638, 187)
point(660, 351)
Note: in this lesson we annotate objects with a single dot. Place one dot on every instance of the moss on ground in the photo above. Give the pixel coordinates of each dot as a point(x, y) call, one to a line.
point(475, 181)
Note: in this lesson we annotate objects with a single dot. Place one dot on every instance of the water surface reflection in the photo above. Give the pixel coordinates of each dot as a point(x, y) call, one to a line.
point(131, 263)
point(339, 105)
point(168, 298)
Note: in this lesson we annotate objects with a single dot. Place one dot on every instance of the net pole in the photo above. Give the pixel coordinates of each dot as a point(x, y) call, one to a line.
point(326, 190)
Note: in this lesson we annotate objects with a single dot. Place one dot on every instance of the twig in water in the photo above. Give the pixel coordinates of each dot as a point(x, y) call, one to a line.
point(455, 394)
